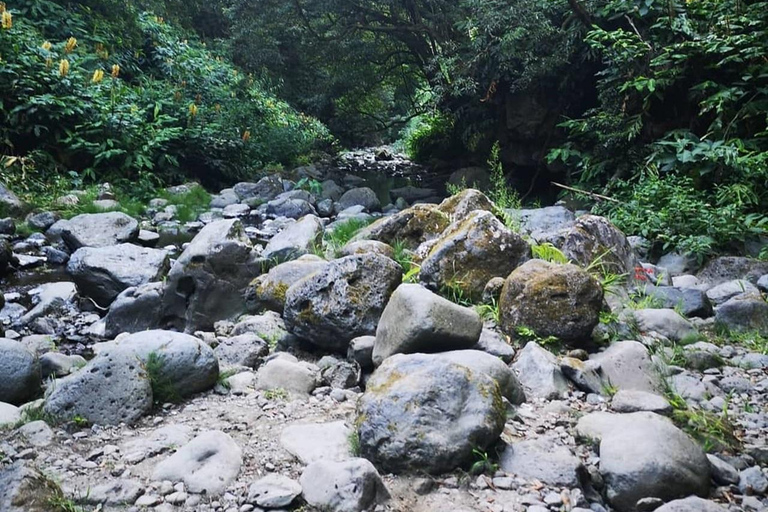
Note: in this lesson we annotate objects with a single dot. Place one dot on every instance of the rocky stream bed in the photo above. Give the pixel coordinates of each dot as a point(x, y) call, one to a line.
point(243, 362)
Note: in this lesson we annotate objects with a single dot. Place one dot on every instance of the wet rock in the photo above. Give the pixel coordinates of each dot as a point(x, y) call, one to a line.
point(295, 240)
point(207, 464)
point(362, 196)
point(349, 486)
point(207, 282)
point(273, 491)
point(543, 459)
point(136, 309)
point(538, 371)
point(399, 431)
point(644, 455)
point(6, 256)
point(20, 374)
point(627, 365)
point(268, 290)
point(554, 300)
point(666, 322)
point(97, 230)
point(342, 301)
point(112, 388)
point(471, 252)
point(101, 273)
point(417, 320)
point(314, 442)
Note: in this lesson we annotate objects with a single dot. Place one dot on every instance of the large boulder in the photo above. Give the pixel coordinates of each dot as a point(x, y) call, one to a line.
point(179, 360)
point(411, 227)
point(482, 362)
point(20, 373)
point(135, 309)
point(207, 282)
point(594, 240)
point(342, 301)
point(112, 388)
point(417, 320)
point(362, 196)
point(728, 268)
point(457, 207)
point(553, 300)
point(542, 223)
point(97, 230)
point(207, 464)
point(101, 273)
point(471, 252)
point(744, 313)
point(628, 365)
point(268, 290)
point(296, 240)
point(421, 412)
point(643, 455)
point(347, 486)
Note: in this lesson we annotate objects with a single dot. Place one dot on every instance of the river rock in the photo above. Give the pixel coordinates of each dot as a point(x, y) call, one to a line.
point(417, 320)
point(457, 207)
point(23, 488)
point(666, 322)
point(689, 301)
point(593, 238)
point(112, 388)
point(644, 455)
point(273, 491)
point(9, 414)
point(135, 309)
point(270, 327)
point(539, 373)
point(122, 491)
point(725, 291)
point(97, 230)
point(480, 362)
point(728, 268)
point(101, 273)
point(288, 374)
point(544, 459)
point(342, 301)
point(6, 256)
point(348, 486)
point(554, 300)
point(296, 240)
point(366, 246)
point(472, 251)
point(10, 202)
point(630, 400)
point(542, 223)
point(51, 299)
point(207, 464)
point(495, 344)
point(744, 313)
point(627, 365)
point(267, 188)
point(207, 282)
point(314, 442)
point(242, 350)
point(185, 362)
point(158, 441)
point(691, 504)
point(362, 196)
point(411, 227)
point(268, 290)
point(424, 413)
point(20, 373)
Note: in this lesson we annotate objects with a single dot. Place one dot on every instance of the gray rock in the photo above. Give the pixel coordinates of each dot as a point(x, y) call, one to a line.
point(744, 313)
point(366, 246)
point(340, 374)
point(472, 251)
point(207, 282)
point(10, 202)
point(160, 440)
point(689, 386)
point(685, 281)
point(586, 375)
point(234, 211)
point(101, 273)
point(242, 350)
point(9, 414)
point(269, 327)
point(538, 371)
point(457, 207)
point(224, 198)
point(148, 238)
point(594, 237)
point(37, 433)
point(39, 344)
point(753, 481)
point(97, 230)
point(722, 472)
point(666, 322)
point(20, 374)
point(289, 208)
point(135, 309)
point(42, 220)
point(361, 351)
point(543, 459)
point(7, 226)
point(332, 190)
point(729, 289)
point(631, 400)
point(762, 283)
point(422, 412)
point(644, 455)
point(678, 264)
point(55, 256)
point(289, 375)
point(542, 223)
point(112, 388)
point(342, 301)
point(495, 344)
point(314, 442)
point(362, 196)
point(122, 491)
point(690, 301)
point(273, 491)
point(25, 489)
point(627, 365)
point(295, 240)
point(208, 463)
point(6, 256)
point(348, 486)
point(52, 299)
point(480, 362)
point(410, 227)
point(265, 189)
point(56, 364)
point(554, 300)
point(184, 361)
point(268, 290)
point(691, 504)
point(417, 320)
point(728, 268)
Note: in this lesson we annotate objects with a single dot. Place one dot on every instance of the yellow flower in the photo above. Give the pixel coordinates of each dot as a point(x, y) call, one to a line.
point(64, 68)
point(47, 46)
point(2, 7)
point(246, 135)
point(192, 109)
point(71, 44)
point(115, 70)
point(98, 76)
point(7, 20)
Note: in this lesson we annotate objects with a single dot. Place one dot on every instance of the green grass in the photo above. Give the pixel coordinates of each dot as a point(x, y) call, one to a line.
point(483, 464)
point(163, 388)
point(752, 341)
point(353, 440)
point(489, 311)
point(276, 394)
point(30, 414)
point(223, 376)
point(188, 205)
point(527, 334)
point(335, 239)
point(549, 252)
point(453, 290)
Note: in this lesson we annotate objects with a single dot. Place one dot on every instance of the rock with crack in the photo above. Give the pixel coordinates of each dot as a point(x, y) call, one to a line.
point(350, 486)
point(207, 464)
point(417, 320)
point(343, 301)
point(644, 455)
point(424, 413)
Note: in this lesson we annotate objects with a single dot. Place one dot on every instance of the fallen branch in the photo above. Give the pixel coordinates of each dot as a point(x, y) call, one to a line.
point(590, 194)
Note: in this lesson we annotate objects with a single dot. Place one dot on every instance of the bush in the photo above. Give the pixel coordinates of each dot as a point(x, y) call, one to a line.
point(430, 136)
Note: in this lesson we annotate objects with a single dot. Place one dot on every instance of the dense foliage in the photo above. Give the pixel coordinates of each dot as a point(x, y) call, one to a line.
point(120, 94)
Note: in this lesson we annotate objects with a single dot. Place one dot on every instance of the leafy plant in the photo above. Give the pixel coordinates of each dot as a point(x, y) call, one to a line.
point(548, 252)
point(483, 463)
point(340, 235)
point(163, 388)
point(527, 334)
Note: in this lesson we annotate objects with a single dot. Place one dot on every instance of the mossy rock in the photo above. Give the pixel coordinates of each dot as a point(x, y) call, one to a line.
point(411, 227)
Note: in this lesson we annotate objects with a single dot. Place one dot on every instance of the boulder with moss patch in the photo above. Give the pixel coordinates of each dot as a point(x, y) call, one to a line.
point(458, 206)
point(268, 290)
point(411, 227)
point(595, 241)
